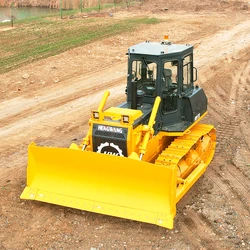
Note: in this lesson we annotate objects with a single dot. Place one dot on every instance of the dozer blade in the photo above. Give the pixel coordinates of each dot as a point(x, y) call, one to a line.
point(106, 184)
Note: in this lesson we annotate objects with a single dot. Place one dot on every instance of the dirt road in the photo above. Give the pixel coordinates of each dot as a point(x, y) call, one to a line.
point(49, 102)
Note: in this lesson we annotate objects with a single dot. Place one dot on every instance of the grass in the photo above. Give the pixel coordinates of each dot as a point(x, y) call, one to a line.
point(42, 37)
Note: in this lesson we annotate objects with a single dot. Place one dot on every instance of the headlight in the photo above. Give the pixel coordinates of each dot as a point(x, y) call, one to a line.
point(125, 119)
point(95, 115)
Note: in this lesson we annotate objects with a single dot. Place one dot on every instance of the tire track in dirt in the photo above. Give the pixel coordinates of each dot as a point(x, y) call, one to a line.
point(51, 103)
point(222, 44)
point(85, 85)
point(200, 231)
point(229, 168)
point(234, 177)
point(45, 113)
point(228, 172)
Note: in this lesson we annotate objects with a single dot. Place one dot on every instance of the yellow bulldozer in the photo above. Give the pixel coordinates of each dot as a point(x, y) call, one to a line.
point(140, 158)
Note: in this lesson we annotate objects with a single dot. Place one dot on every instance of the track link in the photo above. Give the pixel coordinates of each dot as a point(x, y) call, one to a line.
point(191, 153)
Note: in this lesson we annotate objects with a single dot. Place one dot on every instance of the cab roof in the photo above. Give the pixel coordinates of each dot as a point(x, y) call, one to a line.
point(158, 48)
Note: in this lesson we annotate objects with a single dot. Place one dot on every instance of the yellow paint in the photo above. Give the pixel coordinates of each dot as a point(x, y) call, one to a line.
point(101, 183)
point(145, 190)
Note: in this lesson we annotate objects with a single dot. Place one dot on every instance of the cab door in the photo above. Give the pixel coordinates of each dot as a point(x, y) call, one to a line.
point(170, 105)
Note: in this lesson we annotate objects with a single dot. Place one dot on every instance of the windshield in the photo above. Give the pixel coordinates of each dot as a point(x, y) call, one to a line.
point(145, 73)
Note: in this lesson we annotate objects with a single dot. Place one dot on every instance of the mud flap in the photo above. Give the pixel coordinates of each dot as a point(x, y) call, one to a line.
point(105, 184)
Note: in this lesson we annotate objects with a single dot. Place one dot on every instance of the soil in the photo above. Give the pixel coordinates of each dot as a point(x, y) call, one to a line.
point(49, 102)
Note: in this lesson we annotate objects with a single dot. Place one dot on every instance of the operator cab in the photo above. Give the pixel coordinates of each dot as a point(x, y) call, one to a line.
point(166, 70)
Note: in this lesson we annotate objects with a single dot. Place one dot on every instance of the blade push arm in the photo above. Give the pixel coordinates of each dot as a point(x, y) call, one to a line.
point(149, 131)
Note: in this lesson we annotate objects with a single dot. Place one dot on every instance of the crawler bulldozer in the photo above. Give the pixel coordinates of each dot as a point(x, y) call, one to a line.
point(141, 157)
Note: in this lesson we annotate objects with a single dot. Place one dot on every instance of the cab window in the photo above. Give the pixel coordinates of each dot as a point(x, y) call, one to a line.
point(145, 73)
point(187, 73)
point(169, 86)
